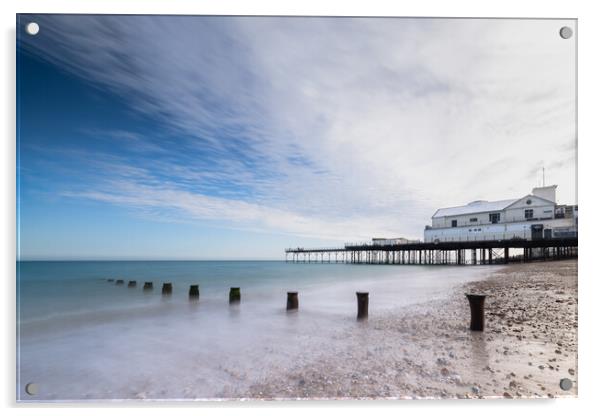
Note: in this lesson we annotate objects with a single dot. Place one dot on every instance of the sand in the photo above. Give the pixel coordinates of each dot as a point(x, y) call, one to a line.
point(427, 351)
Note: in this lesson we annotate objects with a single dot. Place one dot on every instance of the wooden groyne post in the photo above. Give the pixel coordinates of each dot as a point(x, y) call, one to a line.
point(477, 311)
point(362, 305)
point(166, 289)
point(148, 286)
point(193, 293)
point(132, 283)
point(234, 295)
point(292, 301)
point(119, 282)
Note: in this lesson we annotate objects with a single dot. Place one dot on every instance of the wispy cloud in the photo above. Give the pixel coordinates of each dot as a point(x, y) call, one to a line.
point(337, 128)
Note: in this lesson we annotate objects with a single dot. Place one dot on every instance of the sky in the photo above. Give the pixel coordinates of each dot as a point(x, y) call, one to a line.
point(204, 137)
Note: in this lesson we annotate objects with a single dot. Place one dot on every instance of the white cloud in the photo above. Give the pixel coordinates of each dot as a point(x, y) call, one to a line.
point(362, 126)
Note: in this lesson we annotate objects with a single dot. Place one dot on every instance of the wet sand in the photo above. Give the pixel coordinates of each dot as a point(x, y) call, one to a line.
point(528, 346)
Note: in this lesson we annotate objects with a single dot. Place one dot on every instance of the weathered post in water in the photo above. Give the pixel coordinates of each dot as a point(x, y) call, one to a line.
point(119, 282)
point(234, 295)
point(132, 283)
point(148, 286)
point(110, 280)
point(292, 301)
point(193, 293)
point(477, 311)
point(362, 305)
point(166, 289)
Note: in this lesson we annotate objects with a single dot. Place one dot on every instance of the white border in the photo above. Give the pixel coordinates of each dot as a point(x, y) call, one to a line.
point(590, 68)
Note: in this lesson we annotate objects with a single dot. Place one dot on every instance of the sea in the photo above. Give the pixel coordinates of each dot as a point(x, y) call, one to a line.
point(81, 337)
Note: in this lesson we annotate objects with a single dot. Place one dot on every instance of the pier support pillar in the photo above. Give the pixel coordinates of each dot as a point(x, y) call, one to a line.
point(477, 311)
point(506, 255)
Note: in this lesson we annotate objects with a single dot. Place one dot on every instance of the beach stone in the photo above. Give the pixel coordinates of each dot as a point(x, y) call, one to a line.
point(476, 389)
point(507, 395)
point(444, 372)
point(571, 371)
point(442, 361)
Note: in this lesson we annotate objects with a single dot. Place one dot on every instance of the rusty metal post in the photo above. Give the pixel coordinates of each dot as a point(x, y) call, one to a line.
point(362, 305)
point(148, 286)
point(166, 289)
point(292, 301)
point(119, 282)
point(193, 293)
point(132, 283)
point(477, 311)
point(234, 295)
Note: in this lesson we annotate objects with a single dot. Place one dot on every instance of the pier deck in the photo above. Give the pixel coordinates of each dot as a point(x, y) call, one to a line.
point(458, 252)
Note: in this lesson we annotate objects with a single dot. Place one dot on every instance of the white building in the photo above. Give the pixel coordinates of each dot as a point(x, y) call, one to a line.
point(534, 216)
point(392, 241)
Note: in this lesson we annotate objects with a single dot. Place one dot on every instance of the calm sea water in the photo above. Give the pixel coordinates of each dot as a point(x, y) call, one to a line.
point(81, 337)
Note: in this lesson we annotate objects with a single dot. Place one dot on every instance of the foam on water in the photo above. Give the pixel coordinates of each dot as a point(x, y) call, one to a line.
point(81, 337)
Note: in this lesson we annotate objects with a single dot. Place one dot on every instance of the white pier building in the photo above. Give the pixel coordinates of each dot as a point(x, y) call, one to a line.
point(532, 217)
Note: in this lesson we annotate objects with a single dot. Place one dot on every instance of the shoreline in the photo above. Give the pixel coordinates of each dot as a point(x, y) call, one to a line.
point(427, 351)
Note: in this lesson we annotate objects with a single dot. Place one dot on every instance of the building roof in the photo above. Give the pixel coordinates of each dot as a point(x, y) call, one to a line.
point(474, 208)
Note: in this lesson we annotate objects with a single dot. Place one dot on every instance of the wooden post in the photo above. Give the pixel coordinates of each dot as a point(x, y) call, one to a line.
point(477, 311)
point(166, 289)
point(119, 282)
point(362, 305)
point(234, 295)
point(132, 283)
point(292, 301)
point(148, 286)
point(193, 293)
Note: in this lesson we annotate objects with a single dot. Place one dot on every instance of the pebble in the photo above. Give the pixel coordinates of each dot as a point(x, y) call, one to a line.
point(442, 361)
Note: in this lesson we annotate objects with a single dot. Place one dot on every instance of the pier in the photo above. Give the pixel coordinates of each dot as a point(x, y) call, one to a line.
point(442, 253)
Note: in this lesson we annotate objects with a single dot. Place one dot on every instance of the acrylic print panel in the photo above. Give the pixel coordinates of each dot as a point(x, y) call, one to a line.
point(216, 207)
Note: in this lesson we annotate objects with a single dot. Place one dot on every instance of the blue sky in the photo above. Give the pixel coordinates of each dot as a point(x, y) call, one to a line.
point(150, 137)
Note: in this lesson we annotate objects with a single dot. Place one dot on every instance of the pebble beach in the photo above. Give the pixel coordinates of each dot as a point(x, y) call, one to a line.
point(427, 351)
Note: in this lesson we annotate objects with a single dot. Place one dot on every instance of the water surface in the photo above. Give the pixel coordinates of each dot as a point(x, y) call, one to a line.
point(81, 337)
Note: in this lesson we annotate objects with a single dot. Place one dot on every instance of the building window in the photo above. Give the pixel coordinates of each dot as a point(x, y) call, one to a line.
point(454, 223)
point(528, 214)
point(494, 218)
point(474, 219)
